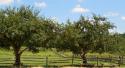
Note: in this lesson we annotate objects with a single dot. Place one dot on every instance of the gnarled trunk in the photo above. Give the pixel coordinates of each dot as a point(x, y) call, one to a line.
point(17, 60)
point(17, 54)
point(84, 59)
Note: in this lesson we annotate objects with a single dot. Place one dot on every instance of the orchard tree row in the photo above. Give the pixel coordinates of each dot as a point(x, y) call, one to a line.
point(24, 29)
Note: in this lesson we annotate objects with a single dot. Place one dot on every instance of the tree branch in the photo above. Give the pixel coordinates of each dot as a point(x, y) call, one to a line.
point(23, 50)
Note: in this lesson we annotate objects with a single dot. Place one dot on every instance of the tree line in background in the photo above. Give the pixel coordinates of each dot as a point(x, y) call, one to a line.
point(23, 29)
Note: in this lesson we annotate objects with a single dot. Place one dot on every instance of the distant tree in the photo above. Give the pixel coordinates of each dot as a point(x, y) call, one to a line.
point(120, 47)
point(22, 29)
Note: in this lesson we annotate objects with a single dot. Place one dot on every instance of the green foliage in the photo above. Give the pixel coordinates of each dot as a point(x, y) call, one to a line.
point(120, 47)
point(88, 35)
point(23, 27)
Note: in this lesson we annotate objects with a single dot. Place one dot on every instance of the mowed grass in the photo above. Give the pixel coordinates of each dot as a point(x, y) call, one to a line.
point(34, 59)
point(46, 58)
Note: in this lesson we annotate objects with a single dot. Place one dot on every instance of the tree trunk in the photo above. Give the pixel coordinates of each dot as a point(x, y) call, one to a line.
point(17, 60)
point(84, 59)
point(17, 56)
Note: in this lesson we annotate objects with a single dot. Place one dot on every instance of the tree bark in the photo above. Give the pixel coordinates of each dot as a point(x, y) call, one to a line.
point(84, 59)
point(17, 56)
point(17, 60)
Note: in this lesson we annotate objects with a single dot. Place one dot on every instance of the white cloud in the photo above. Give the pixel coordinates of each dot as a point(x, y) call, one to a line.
point(40, 4)
point(6, 2)
point(111, 14)
point(123, 18)
point(79, 9)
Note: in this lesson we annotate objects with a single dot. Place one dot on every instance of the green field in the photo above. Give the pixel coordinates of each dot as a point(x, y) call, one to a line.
point(54, 59)
point(34, 59)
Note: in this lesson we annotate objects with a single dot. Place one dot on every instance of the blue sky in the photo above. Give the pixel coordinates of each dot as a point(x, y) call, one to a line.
point(61, 10)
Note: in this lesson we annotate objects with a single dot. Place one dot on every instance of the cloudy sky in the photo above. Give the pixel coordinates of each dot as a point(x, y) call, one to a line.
point(61, 10)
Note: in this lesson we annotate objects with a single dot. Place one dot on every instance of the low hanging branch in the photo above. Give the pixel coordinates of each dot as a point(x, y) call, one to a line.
point(23, 50)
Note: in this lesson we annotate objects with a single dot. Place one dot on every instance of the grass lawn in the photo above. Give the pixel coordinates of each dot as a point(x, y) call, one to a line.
point(39, 59)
